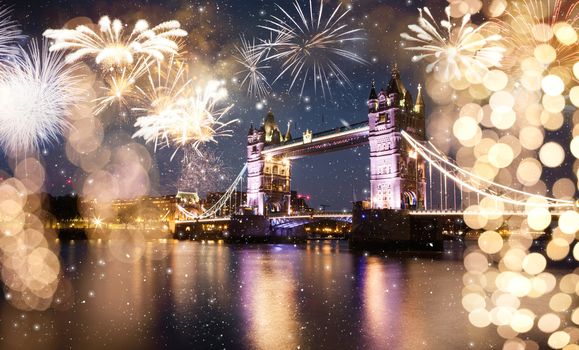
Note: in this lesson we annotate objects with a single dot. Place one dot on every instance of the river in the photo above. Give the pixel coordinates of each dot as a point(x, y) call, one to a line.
point(189, 295)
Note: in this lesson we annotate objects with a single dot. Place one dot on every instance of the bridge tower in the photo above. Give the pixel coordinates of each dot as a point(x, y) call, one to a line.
point(268, 178)
point(397, 172)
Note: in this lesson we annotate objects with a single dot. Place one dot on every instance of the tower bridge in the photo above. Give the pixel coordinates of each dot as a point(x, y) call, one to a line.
point(397, 173)
point(414, 187)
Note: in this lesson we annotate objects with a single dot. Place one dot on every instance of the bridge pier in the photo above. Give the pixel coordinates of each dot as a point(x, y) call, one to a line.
point(388, 229)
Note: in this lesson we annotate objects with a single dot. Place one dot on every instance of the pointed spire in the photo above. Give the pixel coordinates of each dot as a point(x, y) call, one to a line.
point(269, 125)
point(251, 130)
point(395, 86)
point(288, 134)
point(419, 105)
point(373, 94)
point(392, 87)
point(395, 71)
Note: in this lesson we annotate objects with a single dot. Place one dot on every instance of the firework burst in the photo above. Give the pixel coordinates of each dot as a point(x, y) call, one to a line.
point(454, 51)
point(9, 32)
point(111, 46)
point(37, 89)
point(163, 84)
point(121, 87)
point(543, 30)
point(188, 116)
point(310, 44)
point(204, 174)
point(250, 56)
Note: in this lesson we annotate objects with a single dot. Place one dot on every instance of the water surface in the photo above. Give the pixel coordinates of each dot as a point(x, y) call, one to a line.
point(188, 295)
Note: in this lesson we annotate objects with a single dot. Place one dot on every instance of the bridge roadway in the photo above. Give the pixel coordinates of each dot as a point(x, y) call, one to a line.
point(456, 213)
point(318, 215)
point(347, 216)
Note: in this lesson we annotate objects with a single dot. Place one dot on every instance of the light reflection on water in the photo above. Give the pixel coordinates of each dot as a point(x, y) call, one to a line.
point(192, 295)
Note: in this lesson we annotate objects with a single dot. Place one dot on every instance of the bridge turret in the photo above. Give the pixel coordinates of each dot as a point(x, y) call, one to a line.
point(396, 172)
point(255, 163)
point(268, 177)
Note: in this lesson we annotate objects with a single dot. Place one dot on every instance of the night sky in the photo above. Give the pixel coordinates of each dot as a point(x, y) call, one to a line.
point(335, 179)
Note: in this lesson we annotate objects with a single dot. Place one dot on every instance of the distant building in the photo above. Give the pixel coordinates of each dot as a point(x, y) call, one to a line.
point(141, 212)
point(299, 204)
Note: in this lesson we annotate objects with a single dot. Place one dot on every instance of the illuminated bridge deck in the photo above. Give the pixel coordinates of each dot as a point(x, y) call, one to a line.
point(348, 215)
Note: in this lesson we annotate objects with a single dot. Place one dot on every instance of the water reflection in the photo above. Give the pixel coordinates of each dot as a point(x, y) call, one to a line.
point(184, 295)
point(381, 300)
point(269, 290)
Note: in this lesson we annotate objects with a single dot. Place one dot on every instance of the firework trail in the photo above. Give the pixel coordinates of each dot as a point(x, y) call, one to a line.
point(310, 44)
point(37, 89)
point(111, 46)
point(9, 33)
point(454, 52)
point(250, 56)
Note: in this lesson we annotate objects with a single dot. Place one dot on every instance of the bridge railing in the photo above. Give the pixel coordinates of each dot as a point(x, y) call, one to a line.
point(312, 213)
point(469, 181)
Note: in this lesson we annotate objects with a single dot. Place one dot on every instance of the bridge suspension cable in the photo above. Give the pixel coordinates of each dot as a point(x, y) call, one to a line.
point(221, 202)
point(478, 184)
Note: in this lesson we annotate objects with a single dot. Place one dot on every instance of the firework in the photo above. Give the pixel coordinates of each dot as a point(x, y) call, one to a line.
point(111, 46)
point(454, 52)
point(121, 87)
point(543, 30)
point(164, 83)
point(204, 174)
point(9, 32)
point(310, 44)
point(250, 57)
point(37, 88)
point(189, 117)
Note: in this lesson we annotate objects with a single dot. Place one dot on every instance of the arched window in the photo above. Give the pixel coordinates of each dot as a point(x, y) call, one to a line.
point(275, 169)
